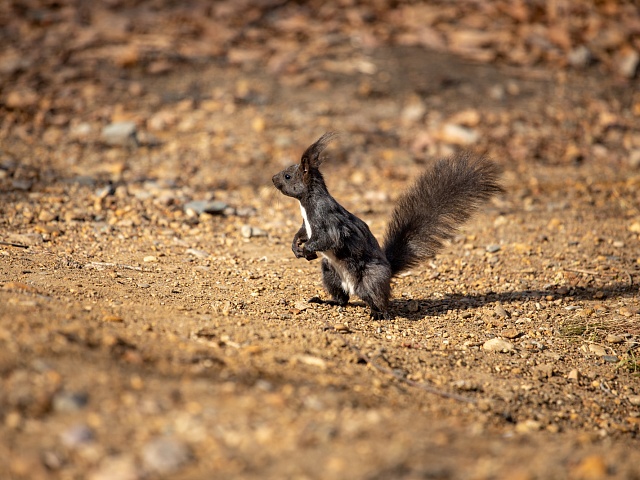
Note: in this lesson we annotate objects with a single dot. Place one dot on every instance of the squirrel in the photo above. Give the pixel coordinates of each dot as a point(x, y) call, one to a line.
point(425, 216)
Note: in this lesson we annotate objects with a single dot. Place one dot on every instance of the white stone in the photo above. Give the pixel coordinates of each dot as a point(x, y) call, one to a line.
point(498, 345)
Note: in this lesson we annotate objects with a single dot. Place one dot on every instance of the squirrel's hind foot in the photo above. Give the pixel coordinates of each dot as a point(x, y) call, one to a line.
point(380, 315)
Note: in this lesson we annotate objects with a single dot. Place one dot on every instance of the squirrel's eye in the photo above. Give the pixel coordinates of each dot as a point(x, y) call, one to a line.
point(287, 176)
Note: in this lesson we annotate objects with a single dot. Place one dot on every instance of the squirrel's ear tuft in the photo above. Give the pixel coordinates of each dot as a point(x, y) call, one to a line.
point(311, 156)
point(304, 163)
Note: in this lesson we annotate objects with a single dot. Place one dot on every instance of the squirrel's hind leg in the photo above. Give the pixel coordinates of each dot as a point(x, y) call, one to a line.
point(375, 290)
point(333, 284)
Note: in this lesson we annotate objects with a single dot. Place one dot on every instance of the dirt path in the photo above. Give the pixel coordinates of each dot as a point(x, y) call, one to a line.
point(140, 338)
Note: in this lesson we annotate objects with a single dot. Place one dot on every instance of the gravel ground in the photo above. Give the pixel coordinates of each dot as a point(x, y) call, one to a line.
point(154, 322)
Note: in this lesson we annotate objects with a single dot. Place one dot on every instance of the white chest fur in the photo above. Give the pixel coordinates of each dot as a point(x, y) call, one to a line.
point(307, 225)
point(347, 282)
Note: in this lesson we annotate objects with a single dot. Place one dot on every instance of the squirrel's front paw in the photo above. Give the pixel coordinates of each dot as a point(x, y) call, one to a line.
point(297, 251)
point(308, 254)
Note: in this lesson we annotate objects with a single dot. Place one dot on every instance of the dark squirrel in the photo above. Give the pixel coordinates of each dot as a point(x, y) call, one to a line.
point(425, 216)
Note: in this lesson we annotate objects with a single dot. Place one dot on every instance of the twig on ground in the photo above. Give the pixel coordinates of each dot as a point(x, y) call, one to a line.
point(109, 264)
point(589, 272)
point(13, 244)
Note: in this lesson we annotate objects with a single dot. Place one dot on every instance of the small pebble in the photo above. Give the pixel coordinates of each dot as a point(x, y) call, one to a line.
point(492, 248)
point(243, 211)
point(52, 460)
point(300, 306)
point(553, 428)
point(123, 134)
point(597, 350)
point(579, 57)
point(466, 385)
point(47, 216)
point(80, 131)
point(610, 358)
point(21, 184)
point(497, 92)
point(634, 400)
point(150, 259)
point(498, 345)
point(105, 192)
point(77, 436)
point(627, 63)
point(628, 311)
point(510, 333)
point(501, 312)
point(199, 207)
point(264, 385)
point(21, 98)
point(528, 426)
point(26, 238)
point(543, 371)
point(413, 306)
point(120, 467)
point(197, 253)
point(574, 375)
point(165, 455)
point(247, 231)
point(70, 401)
point(414, 111)
point(310, 360)
point(143, 285)
point(458, 135)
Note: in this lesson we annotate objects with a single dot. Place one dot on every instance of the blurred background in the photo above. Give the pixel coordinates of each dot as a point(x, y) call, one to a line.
point(141, 238)
point(197, 79)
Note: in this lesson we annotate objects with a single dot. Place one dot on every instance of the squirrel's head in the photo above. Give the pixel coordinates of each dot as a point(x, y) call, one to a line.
point(294, 181)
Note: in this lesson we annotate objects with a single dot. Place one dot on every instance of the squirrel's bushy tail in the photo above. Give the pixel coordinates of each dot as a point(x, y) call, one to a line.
point(431, 211)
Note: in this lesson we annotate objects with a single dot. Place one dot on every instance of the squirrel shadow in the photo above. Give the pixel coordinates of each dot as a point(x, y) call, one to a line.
point(434, 307)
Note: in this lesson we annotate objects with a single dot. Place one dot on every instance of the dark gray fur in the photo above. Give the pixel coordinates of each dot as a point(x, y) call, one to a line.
point(425, 216)
point(430, 212)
